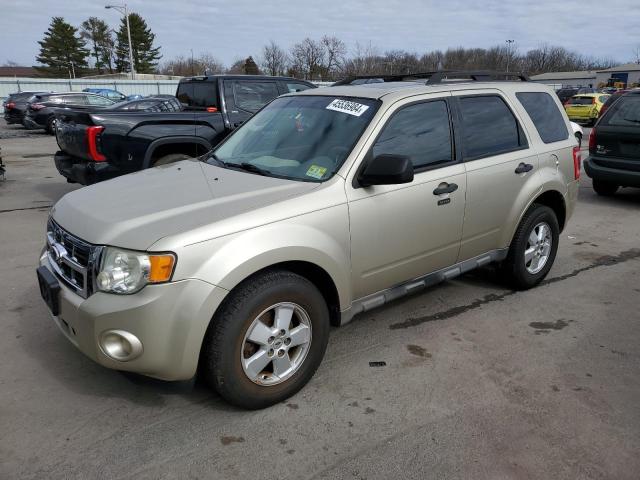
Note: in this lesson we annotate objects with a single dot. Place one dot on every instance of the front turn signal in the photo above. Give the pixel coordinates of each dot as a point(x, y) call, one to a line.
point(161, 268)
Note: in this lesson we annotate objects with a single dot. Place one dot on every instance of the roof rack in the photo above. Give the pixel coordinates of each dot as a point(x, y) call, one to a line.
point(436, 77)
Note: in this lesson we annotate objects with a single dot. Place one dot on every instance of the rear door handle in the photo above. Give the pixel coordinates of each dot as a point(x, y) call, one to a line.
point(445, 187)
point(524, 168)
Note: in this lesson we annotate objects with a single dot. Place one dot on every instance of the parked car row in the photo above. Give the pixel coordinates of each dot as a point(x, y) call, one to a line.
point(36, 110)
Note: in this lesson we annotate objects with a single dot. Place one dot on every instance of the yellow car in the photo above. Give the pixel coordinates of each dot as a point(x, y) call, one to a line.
point(585, 108)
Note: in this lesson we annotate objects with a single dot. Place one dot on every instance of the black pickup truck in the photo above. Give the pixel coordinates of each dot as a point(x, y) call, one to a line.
point(102, 145)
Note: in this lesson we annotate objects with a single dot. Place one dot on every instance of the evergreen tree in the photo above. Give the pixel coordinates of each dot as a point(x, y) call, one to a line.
point(98, 34)
point(145, 55)
point(62, 50)
point(250, 67)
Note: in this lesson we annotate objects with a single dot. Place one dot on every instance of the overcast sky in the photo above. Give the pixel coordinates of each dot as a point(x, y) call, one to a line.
point(234, 29)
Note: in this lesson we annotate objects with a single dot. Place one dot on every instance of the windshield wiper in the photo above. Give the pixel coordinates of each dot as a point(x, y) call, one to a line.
point(214, 157)
point(250, 167)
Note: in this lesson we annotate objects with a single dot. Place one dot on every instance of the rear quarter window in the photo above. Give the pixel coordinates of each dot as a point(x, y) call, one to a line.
point(545, 115)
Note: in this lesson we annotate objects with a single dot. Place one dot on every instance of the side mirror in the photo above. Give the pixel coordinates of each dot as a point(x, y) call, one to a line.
point(386, 170)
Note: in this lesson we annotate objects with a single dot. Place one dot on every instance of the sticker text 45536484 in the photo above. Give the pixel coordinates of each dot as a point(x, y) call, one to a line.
point(346, 106)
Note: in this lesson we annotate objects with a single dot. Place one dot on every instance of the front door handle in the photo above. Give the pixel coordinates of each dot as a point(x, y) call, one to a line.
point(445, 187)
point(524, 168)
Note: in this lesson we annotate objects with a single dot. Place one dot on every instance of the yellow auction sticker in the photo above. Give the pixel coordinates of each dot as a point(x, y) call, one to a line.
point(316, 172)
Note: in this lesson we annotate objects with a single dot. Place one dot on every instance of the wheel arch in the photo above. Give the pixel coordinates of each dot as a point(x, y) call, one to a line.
point(174, 144)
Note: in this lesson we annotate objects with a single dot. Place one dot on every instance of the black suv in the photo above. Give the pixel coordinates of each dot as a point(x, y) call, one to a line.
point(15, 106)
point(42, 108)
point(614, 146)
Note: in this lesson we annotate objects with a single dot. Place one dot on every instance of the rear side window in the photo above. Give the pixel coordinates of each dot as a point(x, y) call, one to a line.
point(545, 115)
point(603, 98)
point(625, 112)
point(489, 127)
point(252, 96)
point(421, 131)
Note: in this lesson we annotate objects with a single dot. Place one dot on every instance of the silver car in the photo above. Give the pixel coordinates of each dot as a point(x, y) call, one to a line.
point(325, 204)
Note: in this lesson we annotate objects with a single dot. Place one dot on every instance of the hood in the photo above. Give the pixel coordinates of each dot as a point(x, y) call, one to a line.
point(136, 210)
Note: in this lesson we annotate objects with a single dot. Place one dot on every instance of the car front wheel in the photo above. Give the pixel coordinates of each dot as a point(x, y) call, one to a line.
point(533, 248)
point(266, 340)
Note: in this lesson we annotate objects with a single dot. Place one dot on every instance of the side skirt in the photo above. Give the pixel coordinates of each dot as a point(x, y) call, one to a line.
point(378, 299)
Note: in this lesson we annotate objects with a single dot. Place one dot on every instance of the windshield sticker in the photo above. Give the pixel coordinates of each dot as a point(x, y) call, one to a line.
point(345, 106)
point(316, 172)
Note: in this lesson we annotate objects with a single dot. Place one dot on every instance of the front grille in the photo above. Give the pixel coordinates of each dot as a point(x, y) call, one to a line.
point(73, 260)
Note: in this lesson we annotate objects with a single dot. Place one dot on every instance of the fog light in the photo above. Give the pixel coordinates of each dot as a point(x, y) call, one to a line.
point(120, 345)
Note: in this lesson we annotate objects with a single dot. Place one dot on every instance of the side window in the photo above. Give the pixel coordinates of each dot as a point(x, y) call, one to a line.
point(74, 100)
point(296, 87)
point(98, 100)
point(545, 115)
point(252, 96)
point(603, 98)
point(489, 127)
point(421, 131)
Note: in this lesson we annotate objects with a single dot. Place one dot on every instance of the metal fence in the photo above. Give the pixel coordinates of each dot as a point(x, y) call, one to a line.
point(128, 87)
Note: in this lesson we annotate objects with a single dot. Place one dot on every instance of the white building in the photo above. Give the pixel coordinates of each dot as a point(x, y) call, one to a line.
point(628, 73)
point(567, 79)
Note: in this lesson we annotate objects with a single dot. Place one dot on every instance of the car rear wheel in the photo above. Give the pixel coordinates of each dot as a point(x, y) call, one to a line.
point(533, 248)
point(266, 340)
point(606, 189)
point(172, 157)
point(51, 126)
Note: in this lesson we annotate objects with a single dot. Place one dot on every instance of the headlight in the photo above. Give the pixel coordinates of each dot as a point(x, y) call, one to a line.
point(126, 271)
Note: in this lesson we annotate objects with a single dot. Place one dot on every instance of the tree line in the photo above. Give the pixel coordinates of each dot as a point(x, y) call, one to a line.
point(329, 59)
point(95, 48)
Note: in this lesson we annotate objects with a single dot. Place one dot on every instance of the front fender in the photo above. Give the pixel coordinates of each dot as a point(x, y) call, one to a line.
point(320, 238)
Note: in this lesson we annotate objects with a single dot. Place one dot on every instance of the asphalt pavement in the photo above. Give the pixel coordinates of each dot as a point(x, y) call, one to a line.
point(478, 381)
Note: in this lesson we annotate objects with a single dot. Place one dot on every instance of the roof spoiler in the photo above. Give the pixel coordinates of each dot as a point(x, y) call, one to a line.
point(436, 77)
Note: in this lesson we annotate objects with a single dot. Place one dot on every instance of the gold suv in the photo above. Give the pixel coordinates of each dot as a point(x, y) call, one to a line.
point(325, 204)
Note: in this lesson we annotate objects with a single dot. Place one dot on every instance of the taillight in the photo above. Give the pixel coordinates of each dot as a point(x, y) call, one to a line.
point(10, 105)
point(212, 109)
point(36, 106)
point(593, 100)
point(576, 162)
point(92, 145)
point(592, 140)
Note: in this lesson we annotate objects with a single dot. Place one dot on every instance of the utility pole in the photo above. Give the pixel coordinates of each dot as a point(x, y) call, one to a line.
point(124, 11)
point(509, 42)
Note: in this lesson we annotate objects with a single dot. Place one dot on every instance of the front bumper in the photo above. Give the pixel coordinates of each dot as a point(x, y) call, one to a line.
point(82, 171)
point(617, 176)
point(170, 320)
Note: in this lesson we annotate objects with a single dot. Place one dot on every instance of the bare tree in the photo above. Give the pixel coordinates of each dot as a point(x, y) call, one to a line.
point(334, 53)
point(274, 59)
point(184, 66)
point(308, 58)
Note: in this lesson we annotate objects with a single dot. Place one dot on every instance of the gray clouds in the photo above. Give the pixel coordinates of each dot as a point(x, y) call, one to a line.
point(234, 29)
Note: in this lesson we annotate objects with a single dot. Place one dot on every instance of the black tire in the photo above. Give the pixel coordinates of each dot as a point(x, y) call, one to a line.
point(51, 125)
point(606, 189)
point(171, 158)
point(220, 362)
point(514, 269)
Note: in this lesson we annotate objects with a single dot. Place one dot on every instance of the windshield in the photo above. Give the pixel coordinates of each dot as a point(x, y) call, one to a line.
point(300, 137)
point(625, 112)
